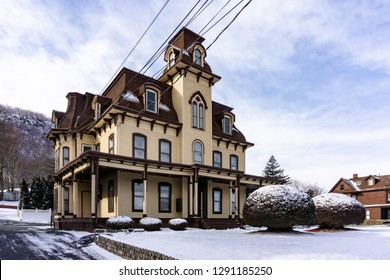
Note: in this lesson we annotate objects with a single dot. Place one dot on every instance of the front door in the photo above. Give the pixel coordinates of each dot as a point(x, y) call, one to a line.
point(203, 198)
point(85, 204)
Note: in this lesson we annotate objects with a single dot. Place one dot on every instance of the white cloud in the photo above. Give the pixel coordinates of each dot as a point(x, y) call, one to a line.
point(310, 76)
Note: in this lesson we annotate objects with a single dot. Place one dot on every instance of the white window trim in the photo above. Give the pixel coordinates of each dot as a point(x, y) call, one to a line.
point(155, 101)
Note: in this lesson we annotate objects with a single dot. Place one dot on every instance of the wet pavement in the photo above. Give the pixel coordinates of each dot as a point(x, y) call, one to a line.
point(26, 241)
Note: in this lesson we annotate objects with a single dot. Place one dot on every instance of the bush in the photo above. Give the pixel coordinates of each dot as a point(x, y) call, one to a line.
point(178, 224)
point(335, 210)
point(150, 224)
point(119, 222)
point(279, 207)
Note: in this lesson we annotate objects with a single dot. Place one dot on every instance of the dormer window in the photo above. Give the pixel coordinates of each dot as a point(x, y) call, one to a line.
point(171, 59)
point(151, 101)
point(227, 124)
point(198, 57)
point(371, 182)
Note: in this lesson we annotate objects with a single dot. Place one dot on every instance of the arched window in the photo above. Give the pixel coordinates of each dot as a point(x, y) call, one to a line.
point(198, 152)
point(201, 116)
point(198, 113)
point(171, 59)
point(198, 57)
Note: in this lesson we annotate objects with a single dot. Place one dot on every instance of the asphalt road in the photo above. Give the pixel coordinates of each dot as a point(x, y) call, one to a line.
point(21, 241)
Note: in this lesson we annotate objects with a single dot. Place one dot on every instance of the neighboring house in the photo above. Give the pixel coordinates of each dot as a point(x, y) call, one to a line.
point(372, 191)
point(145, 147)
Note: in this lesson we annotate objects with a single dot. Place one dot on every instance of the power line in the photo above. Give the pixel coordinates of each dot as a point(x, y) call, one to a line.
point(218, 36)
point(132, 50)
point(243, 8)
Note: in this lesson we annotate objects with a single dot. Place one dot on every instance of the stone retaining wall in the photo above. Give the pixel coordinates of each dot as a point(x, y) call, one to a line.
point(128, 251)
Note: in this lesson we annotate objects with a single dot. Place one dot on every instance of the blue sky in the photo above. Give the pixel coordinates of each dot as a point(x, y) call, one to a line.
point(309, 80)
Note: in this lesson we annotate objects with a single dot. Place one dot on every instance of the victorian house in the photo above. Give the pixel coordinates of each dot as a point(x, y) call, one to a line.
point(372, 191)
point(145, 147)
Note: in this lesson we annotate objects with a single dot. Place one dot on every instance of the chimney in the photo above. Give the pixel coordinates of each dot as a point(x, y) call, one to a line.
point(355, 176)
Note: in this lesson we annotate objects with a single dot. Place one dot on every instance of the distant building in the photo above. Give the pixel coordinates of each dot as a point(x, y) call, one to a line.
point(145, 147)
point(372, 191)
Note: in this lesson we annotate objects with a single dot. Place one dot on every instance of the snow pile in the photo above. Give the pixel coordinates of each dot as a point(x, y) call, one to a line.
point(178, 224)
point(335, 210)
point(163, 107)
point(150, 224)
point(119, 222)
point(129, 96)
point(278, 207)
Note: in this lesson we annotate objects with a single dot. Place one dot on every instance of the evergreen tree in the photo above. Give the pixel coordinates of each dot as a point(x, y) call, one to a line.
point(272, 170)
point(25, 199)
point(41, 193)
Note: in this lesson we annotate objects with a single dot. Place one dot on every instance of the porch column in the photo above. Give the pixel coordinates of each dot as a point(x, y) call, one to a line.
point(145, 183)
point(93, 193)
point(94, 186)
point(238, 204)
point(196, 188)
point(75, 199)
point(191, 197)
point(231, 193)
point(61, 200)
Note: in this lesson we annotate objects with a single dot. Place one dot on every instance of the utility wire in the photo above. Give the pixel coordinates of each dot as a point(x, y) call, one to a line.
point(218, 36)
point(132, 50)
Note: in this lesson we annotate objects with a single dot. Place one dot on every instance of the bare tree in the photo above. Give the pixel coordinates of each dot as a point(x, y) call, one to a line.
point(311, 189)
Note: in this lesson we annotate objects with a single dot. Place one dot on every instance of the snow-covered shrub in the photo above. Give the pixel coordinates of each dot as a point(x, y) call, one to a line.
point(279, 207)
point(150, 224)
point(119, 222)
point(335, 210)
point(178, 224)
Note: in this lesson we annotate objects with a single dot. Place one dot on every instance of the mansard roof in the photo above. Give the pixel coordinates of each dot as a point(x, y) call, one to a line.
point(125, 93)
point(219, 111)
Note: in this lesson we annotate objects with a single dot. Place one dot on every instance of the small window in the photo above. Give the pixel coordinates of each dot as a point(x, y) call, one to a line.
point(138, 195)
point(217, 159)
point(111, 144)
point(217, 201)
point(86, 147)
point(165, 151)
point(66, 200)
point(171, 59)
point(151, 101)
point(233, 202)
point(341, 187)
point(227, 125)
point(111, 196)
point(233, 162)
point(198, 57)
point(388, 197)
point(368, 214)
point(65, 156)
point(198, 152)
point(139, 146)
point(164, 197)
point(371, 182)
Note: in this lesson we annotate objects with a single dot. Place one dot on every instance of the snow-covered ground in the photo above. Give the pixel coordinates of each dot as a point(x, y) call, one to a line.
point(357, 243)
